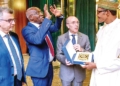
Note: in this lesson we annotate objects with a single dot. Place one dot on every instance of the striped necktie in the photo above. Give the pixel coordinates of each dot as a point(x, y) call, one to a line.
point(49, 43)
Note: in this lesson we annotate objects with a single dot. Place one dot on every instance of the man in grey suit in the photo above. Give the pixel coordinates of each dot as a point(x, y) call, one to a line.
point(72, 74)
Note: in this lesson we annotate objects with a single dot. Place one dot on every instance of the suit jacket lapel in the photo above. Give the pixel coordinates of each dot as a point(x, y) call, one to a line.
point(2, 44)
point(15, 41)
point(67, 36)
point(79, 38)
point(17, 44)
point(4, 48)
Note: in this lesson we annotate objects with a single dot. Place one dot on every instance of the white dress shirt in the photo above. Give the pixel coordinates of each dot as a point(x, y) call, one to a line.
point(70, 36)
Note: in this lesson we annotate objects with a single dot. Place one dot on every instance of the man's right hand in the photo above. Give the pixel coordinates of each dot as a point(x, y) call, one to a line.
point(68, 62)
point(89, 65)
point(46, 13)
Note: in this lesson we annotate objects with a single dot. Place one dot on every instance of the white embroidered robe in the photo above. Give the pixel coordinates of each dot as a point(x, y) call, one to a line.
point(106, 56)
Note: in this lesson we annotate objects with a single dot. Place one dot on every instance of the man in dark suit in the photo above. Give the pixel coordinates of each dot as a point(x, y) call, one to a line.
point(11, 62)
point(35, 34)
point(70, 73)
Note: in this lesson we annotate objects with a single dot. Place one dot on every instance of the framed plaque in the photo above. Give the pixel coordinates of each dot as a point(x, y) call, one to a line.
point(76, 57)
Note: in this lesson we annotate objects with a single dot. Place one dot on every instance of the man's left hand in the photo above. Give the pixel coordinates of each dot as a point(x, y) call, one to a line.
point(24, 84)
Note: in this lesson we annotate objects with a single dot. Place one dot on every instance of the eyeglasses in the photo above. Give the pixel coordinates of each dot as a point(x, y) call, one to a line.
point(73, 22)
point(9, 20)
point(101, 11)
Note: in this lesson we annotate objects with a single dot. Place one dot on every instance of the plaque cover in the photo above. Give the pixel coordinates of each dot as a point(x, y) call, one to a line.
point(76, 57)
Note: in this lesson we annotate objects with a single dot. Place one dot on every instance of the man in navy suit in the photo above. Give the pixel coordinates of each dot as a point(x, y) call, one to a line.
point(8, 66)
point(40, 63)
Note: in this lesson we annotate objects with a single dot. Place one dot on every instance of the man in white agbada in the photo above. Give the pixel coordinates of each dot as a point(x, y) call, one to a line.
point(106, 66)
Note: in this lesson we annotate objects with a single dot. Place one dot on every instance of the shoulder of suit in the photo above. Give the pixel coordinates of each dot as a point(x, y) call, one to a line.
point(81, 34)
point(62, 35)
point(12, 33)
point(29, 26)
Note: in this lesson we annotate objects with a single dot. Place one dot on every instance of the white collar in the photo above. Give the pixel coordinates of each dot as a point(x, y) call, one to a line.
point(72, 34)
point(2, 34)
point(36, 24)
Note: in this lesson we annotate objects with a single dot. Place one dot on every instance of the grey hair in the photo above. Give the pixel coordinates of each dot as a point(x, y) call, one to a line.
point(5, 9)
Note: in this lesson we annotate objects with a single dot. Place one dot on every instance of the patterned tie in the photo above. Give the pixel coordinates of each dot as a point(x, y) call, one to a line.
point(73, 39)
point(49, 43)
point(15, 56)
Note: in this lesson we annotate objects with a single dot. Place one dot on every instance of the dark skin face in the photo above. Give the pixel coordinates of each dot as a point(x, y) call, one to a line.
point(102, 15)
point(105, 16)
point(36, 15)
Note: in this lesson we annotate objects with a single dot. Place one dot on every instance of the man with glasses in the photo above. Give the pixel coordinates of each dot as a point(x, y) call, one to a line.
point(106, 66)
point(70, 74)
point(37, 35)
point(11, 60)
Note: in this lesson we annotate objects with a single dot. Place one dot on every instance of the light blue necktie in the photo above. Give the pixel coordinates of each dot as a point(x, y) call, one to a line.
point(73, 39)
point(15, 56)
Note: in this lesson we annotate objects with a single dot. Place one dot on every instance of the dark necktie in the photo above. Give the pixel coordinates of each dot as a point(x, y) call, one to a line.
point(15, 56)
point(73, 39)
point(49, 43)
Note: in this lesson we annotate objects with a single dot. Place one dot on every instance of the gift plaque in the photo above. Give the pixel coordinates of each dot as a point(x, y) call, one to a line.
point(76, 57)
point(82, 57)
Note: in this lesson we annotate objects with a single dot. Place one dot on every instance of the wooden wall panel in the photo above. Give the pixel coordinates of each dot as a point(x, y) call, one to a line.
point(21, 21)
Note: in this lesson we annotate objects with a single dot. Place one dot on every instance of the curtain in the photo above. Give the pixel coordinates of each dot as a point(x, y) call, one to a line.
point(85, 12)
point(36, 3)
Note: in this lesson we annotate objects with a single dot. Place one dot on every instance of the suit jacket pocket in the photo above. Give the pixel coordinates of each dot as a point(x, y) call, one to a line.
point(35, 62)
point(1, 79)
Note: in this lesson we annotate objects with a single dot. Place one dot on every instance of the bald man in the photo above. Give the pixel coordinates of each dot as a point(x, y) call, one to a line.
point(70, 74)
point(36, 34)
